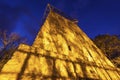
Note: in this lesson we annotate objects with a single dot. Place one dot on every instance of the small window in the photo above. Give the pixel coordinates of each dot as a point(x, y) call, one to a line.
point(69, 48)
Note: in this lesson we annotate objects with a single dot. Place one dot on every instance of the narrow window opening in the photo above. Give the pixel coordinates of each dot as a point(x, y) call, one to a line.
point(69, 48)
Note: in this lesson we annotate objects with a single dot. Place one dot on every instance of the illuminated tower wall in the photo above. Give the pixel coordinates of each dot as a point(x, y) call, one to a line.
point(61, 50)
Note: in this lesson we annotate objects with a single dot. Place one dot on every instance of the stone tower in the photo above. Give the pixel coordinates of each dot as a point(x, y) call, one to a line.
point(61, 51)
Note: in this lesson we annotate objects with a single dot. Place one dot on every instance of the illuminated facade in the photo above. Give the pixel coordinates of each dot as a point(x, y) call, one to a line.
point(61, 51)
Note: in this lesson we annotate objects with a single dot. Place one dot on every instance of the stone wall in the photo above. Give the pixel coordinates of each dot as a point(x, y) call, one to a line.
point(29, 63)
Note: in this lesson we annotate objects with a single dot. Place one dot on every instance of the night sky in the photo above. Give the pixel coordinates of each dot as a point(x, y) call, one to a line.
point(95, 16)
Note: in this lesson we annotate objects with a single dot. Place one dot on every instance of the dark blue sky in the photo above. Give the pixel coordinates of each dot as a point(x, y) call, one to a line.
point(94, 16)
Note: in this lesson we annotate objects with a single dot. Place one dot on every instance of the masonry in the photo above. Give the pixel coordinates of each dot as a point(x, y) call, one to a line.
point(61, 50)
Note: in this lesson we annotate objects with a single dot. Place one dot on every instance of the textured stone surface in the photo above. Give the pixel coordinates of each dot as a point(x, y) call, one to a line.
point(60, 51)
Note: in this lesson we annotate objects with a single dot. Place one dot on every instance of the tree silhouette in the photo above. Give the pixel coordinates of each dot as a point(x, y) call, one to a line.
point(110, 45)
point(8, 43)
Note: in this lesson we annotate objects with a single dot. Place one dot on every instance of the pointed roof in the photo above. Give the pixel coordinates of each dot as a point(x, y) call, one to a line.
point(52, 8)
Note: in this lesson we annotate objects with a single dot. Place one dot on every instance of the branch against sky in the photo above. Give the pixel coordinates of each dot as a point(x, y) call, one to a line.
point(12, 38)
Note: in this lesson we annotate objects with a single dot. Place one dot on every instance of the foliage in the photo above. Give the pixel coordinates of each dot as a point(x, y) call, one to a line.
point(9, 39)
point(9, 42)
point(110, 45)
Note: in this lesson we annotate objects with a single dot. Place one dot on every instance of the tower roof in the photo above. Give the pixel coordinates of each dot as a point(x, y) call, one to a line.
point(52, 8)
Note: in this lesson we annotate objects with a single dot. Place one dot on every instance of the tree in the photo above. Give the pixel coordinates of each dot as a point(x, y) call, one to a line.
point(9, 42)
point(6, 38)
point(110, 45)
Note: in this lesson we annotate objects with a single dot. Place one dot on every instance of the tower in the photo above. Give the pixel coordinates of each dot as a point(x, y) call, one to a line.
point(61, 50)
